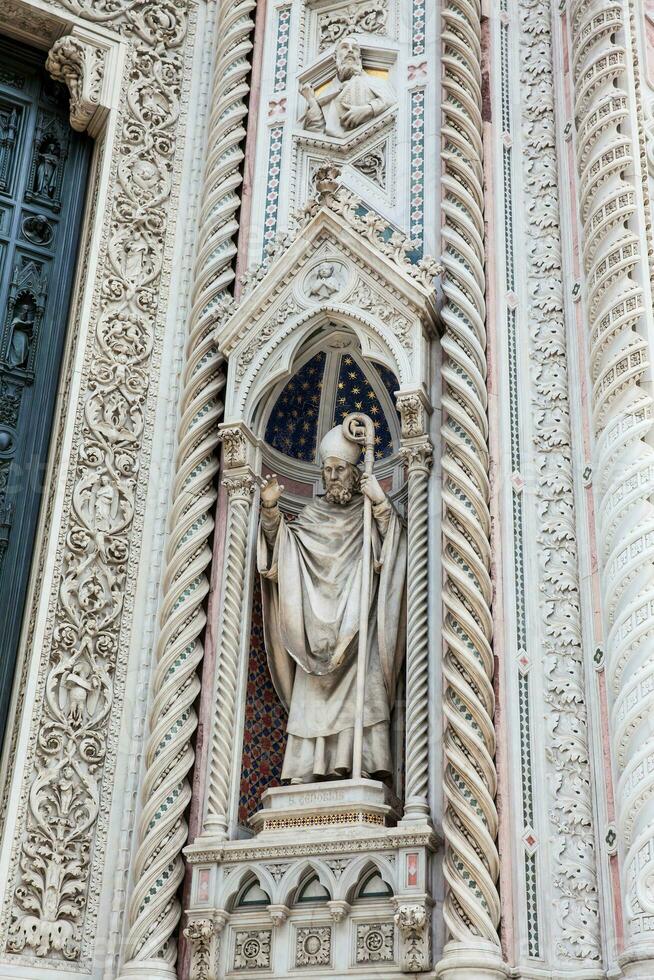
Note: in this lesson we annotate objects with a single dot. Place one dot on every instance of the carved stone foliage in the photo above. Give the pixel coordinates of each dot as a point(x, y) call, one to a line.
point(199, 934)
point(413, 922)
point(330, 193)
point(575, 878)
point(313, 946)
point(59, 852)
point(81, 67)
point(375, 942)
point(252, 949)
point(369, 17)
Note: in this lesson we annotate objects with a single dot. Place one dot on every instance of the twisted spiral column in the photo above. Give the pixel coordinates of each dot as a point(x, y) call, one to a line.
point(240, 490)
point(419, 459)
point(471, 865)
point(154, 909)
point(619, 309)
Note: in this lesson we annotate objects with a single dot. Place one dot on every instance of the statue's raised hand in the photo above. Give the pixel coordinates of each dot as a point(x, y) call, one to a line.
point(271, 491)
point(373, 491)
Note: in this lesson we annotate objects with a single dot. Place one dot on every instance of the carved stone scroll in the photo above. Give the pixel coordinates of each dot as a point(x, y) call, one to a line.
point(80, 65)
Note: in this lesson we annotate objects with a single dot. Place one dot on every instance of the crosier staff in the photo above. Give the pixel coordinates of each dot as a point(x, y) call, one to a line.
point(360, 428)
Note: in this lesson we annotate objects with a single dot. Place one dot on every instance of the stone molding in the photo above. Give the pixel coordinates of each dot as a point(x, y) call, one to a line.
point(620, 329)
point(154, 910)
point(471, 866)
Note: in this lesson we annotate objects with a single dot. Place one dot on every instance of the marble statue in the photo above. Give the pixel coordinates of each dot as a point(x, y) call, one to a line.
point(311, 584)
point(348, 101)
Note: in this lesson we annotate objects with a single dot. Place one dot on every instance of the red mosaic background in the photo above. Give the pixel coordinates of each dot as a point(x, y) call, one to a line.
point(264, 734)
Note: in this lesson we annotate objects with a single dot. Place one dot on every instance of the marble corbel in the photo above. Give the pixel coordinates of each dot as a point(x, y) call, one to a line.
point(203, 936)
point(80, 61)
point(413, 921)
point(278, 914)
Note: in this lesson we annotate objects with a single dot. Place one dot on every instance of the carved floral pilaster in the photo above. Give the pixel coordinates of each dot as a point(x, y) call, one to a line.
point(413, 920)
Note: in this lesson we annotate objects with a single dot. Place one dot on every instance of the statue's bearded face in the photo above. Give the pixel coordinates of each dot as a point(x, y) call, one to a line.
point(348, 60)
point(341, 479)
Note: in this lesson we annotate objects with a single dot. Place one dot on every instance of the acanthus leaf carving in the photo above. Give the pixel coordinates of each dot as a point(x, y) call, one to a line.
point(80, 65)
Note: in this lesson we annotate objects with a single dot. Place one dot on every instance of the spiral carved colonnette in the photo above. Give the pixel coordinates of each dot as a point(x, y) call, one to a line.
point(240, 501)
point(472, 908)
point(417, 670)
point(614, 236)
point(154, 909)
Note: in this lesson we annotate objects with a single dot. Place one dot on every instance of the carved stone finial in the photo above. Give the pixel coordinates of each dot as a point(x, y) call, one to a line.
point(81, 67)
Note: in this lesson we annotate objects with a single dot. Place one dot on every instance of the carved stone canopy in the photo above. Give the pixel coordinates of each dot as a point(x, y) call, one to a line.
point(337, 269)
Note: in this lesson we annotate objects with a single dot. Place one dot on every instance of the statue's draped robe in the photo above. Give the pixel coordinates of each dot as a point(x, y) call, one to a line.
point(359, 90)
point(311, 584)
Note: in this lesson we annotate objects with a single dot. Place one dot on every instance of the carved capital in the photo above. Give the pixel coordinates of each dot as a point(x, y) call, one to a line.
point(278, 914)
point(80, 65)
point(240, 486)
point(419, 456)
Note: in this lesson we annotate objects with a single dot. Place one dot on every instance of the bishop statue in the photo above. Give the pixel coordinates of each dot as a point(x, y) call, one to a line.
point(311, 574)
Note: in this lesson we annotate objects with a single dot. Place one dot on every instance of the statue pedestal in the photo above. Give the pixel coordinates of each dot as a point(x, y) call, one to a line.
point(362, 804)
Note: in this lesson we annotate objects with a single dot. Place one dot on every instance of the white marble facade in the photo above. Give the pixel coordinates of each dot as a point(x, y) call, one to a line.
point(438, 214)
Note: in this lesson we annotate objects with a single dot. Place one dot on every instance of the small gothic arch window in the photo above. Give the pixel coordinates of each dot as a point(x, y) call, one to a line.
point(252, 896)
point(326, 386)
point(373, 886)
point(312, 891)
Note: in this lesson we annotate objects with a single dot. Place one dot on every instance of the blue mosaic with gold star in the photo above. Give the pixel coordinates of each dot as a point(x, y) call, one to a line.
point(354, 393)
point(293, 424)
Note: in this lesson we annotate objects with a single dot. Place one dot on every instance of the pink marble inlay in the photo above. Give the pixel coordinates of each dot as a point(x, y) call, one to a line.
point(411, 870)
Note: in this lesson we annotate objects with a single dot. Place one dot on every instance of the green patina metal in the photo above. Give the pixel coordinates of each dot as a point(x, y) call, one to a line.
point(43, 170)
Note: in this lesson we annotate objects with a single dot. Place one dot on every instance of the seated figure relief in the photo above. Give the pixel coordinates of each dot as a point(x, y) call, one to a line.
point(350, 100)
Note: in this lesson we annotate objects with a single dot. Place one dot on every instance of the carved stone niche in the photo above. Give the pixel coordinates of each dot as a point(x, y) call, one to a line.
point(341, 272)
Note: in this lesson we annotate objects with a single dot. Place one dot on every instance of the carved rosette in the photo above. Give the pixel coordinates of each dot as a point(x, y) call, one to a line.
point(80, 65)
point(619, 311)
point(154, 908)
point(471, 867)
